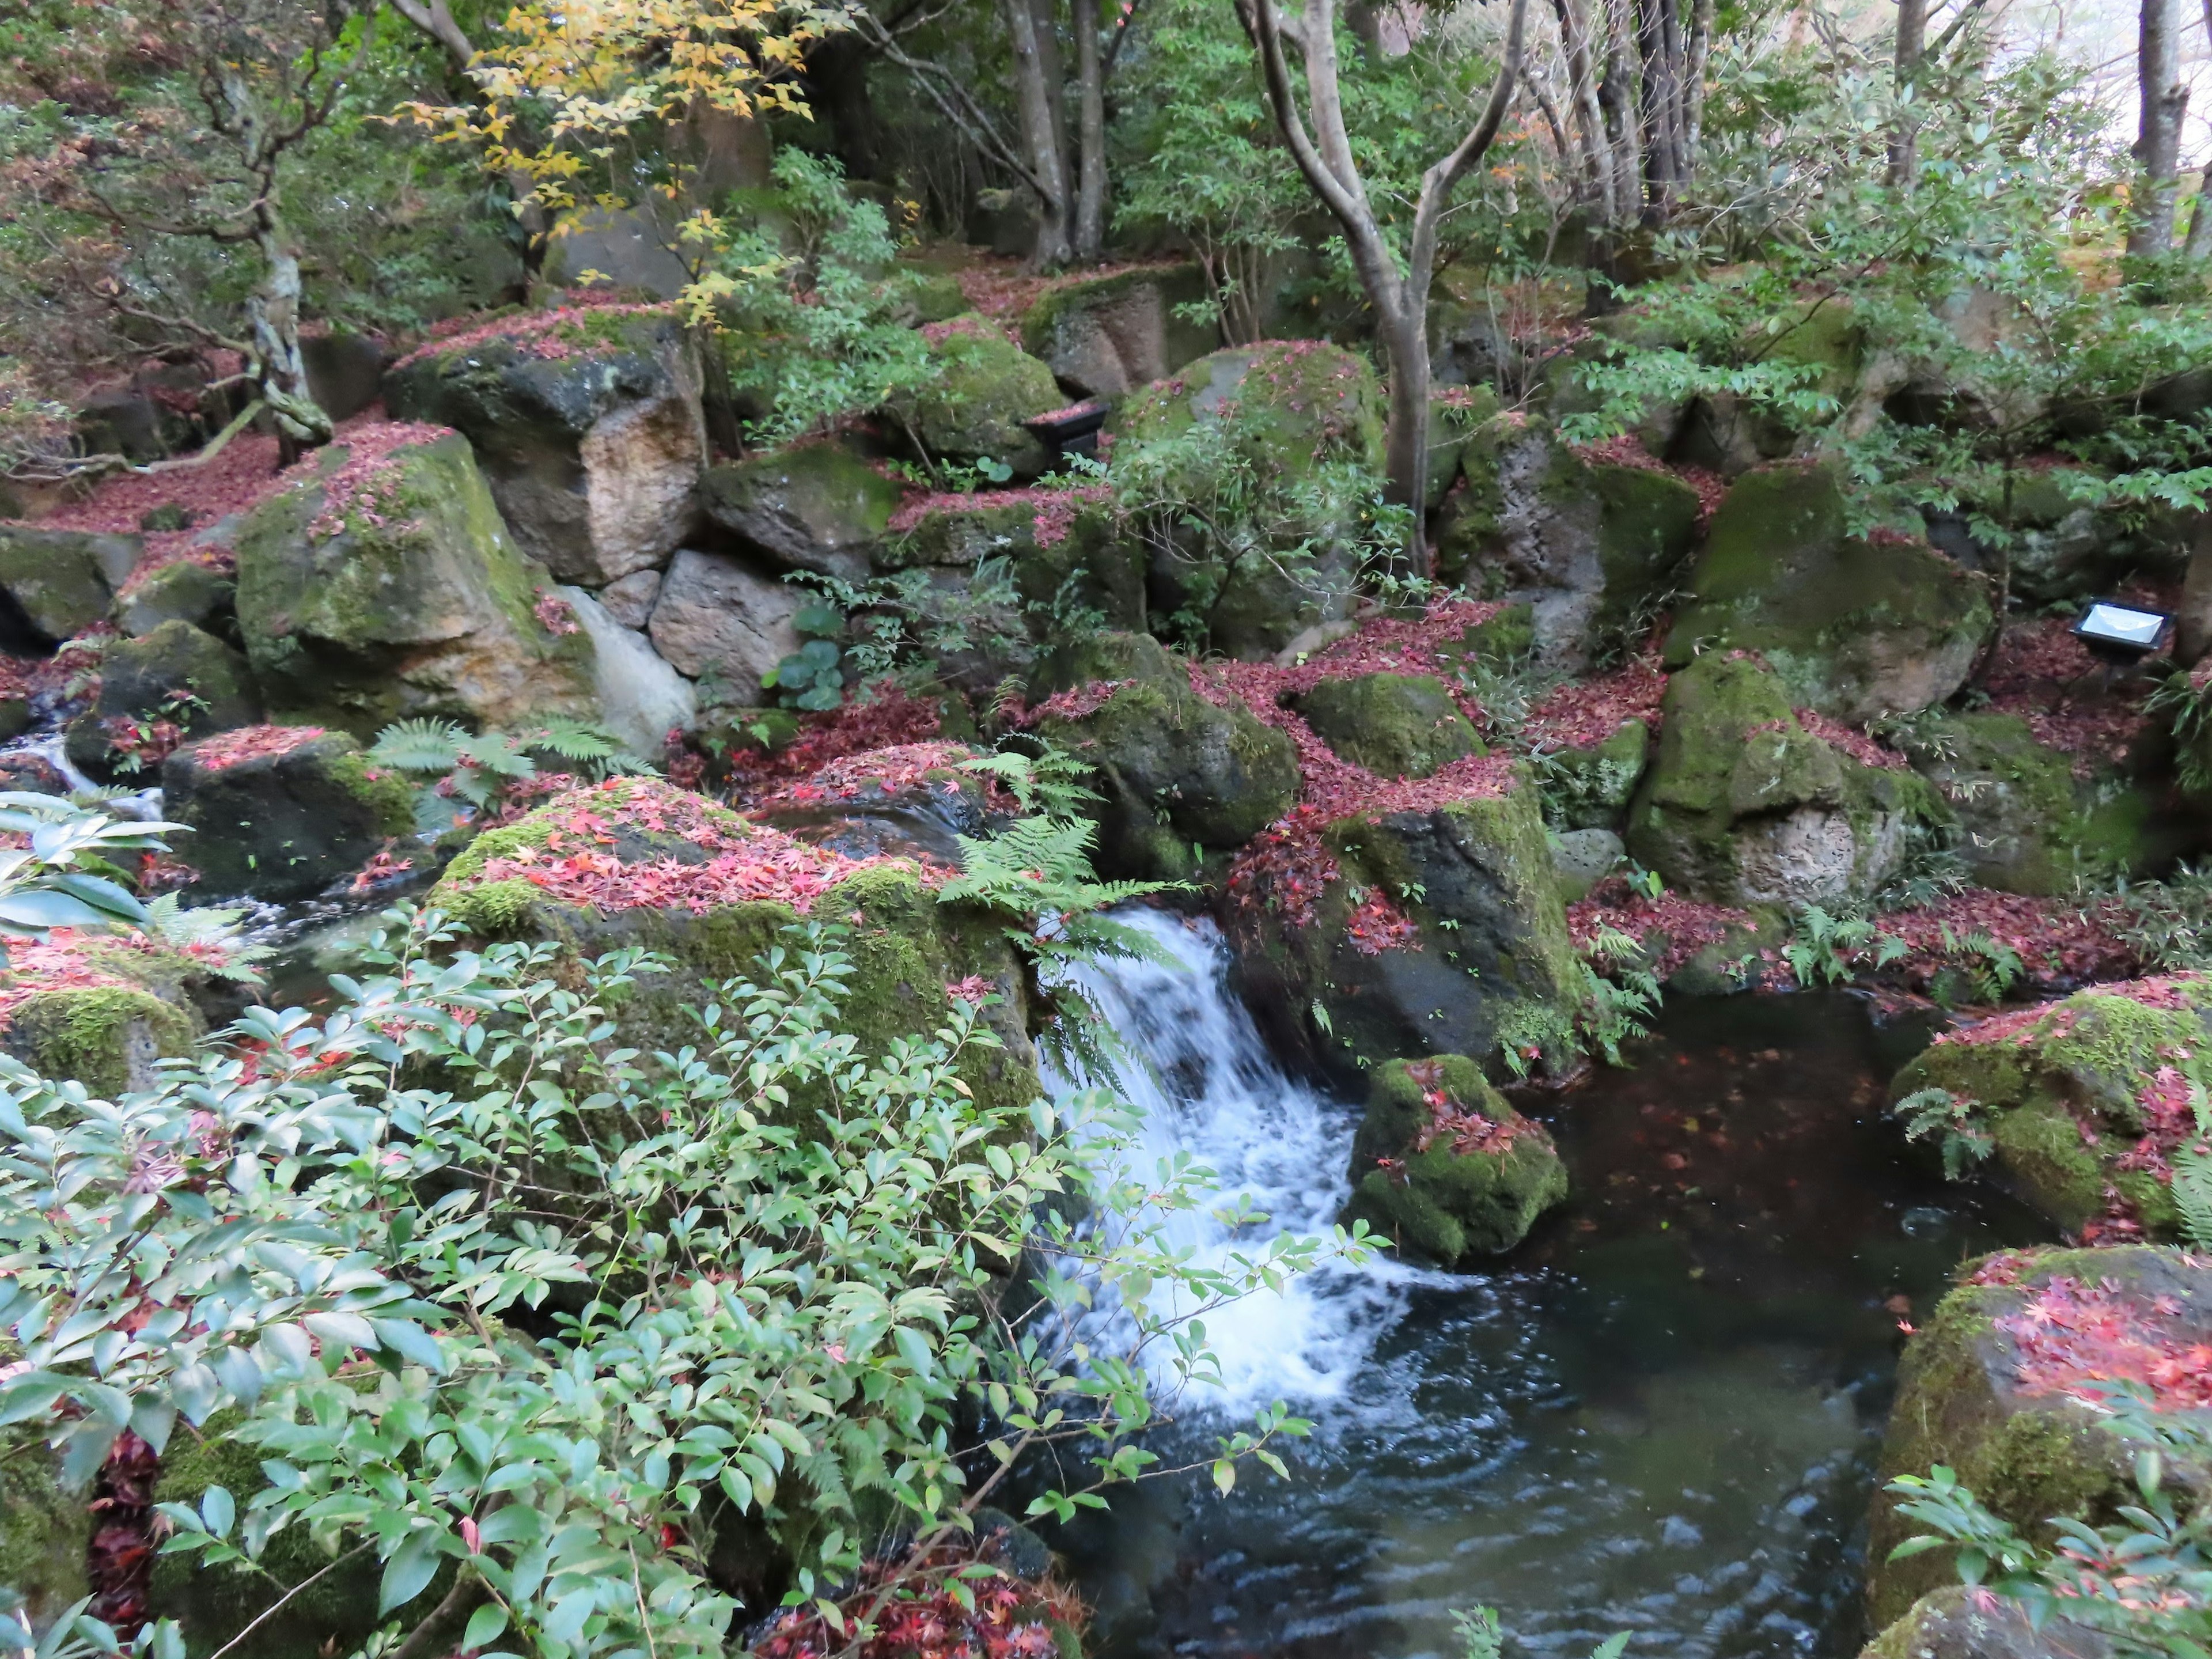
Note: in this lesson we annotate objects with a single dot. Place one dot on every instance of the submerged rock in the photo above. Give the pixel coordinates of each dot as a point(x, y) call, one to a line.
point(1173, 769)
point(1443, 1167)
point(1394, 725)
point(2084, 1100)
point(1992, 1388)
point(1856, 626)
point(587, 425)
point(383, 586)
point(1745, 806)
point(282, 812)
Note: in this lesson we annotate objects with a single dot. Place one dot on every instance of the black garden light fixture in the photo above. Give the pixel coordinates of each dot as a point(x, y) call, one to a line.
point(2119, 629)
point(1073, 430)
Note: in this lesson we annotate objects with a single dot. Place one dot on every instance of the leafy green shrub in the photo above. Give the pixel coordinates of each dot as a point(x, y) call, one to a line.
point(812, 676)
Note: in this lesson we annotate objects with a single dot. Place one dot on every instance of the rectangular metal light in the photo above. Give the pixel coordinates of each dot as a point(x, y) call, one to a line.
point(2123, 627)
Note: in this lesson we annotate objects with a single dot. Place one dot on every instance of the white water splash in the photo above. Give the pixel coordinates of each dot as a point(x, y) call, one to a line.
point(1206, 1086)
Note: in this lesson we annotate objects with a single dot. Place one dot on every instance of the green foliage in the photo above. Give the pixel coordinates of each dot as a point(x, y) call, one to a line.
point(447, 763)
point(494, 1295)
point(814, 676)
point(2184, 699)
point(1826, 949)
point(2143, 1580)
point(1993, 967)
point(908, 625)
point(1483, 1637)
point(810, 328)
point(1621, 992)
point(2192, 1175)
point(210, 937)
point(64, 875)
point(1959, 1122)
point(2168, 924)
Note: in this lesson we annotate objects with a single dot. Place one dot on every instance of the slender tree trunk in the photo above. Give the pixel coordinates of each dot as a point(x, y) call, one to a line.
point(1040, 136)
point(2158, 144)
point(1090, 134)
point(1660, 103)
point(1623, 121)
point(1693, 86)
point(1602, 188)
point(1903, 140)
point(272, 315)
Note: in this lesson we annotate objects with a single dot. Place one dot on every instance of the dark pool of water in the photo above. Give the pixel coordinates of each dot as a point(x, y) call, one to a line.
point(1662, 1415)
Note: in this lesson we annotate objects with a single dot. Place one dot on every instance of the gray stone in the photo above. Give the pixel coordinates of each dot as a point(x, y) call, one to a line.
point(716, 620)
point(629, 601)
point(345, 371)
point(185, 591)
point(60, 581)
point(1107, 336)
point(816, 507)
point(641, 698)
point(1585, 858)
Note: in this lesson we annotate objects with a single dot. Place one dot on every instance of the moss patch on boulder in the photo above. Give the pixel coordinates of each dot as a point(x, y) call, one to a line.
point(1443, 1167)
point(1396, 725)
point(59, 583)
point(46, 1535)
point(2023, 828)
point(972, 405)
point(95, 1010)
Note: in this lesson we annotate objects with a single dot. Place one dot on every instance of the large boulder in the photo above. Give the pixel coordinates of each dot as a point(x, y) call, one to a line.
point(1105, 336)
point(1299, 425)
point(971, 407)
point(1396, 725)
point(587, 424)
point(674, 871)
point(722, 623)
point(1994, 1388)
point(1590, 546)
point(184, 589)
point(1438, 927)
point(2020, 827)
point(815, 507)
point(1443, 1167)
point(282, 812)
point(1856, 626)
point(58, 583)
point(380, 583)
point(172, 684)
point(96, 1009)
point(1174, 769)
point(1743, 805)
point(2084, 1100)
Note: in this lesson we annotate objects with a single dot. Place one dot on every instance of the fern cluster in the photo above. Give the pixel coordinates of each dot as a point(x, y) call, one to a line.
point(447, 762)
point(1957, 1119)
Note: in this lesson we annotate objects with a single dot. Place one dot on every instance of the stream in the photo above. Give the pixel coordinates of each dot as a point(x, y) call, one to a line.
point(1662, 1415)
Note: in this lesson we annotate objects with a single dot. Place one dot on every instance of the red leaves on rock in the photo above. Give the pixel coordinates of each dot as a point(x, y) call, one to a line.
point(2074, 1335)
point(1849, 740)
point(1628, 450)
point(879, 717)
point(1052, 508)
point(365, 485)
point(902, 768)
point(1583, 714)
point(252, 743)
point(1465, 1131)
point(1677, 927)
point(922, 1618)
point(58, 962)
point(554, 333)
point(556, 615)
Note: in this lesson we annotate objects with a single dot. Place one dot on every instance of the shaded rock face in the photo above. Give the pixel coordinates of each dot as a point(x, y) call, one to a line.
point(1174, 768)
point(1951, 1623)
point(1444, 1168)
point(2085, 1100)
point(1590, 788)
point(2015, 800)
point(816, 507)
point(1856, 627)
point(58, 583)
point(183, 591)
point(630, 602)
point(594, 456)
point(1744, 806)
point(971, 407)
point(1107, 336)
point(716, 619)
point(425, 607)
point(1982, 1389)
point(177, 675)
point(282, 812)
point(1392, 725)
point(1590, 549)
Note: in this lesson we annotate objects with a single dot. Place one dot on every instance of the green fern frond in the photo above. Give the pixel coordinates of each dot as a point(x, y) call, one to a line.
point(419, 745)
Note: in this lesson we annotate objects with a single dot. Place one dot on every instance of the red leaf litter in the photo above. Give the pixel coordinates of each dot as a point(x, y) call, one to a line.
point(553, 333)
point(1051, 511)
point(1672, 928)
point(1583, 714)
point(903, 768)
point(1849, 740)
point(879, 716)
point(556, 614)
point(1005, 287)
point(2074, 1336)
point(1464, 1129)
point(747, 861)
point(981, 328)
point(252, 743)
point(921, 1617)
point(2064, 693)
point(2062, 944)
point(119, 1566)
point(363, 488)
point(58, 962)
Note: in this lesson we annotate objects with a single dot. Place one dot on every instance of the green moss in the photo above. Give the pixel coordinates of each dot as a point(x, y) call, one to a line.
point(106, 1037)
point(45, 1535)
point(2014, 798)
point(1286, 405)
point(1647, 524)
point(1047, 323)
point(1393, 725)
point(1591, 787)
point(973, 406)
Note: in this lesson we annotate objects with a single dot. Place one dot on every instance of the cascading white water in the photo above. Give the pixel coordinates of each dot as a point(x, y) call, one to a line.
point(1207, 1086)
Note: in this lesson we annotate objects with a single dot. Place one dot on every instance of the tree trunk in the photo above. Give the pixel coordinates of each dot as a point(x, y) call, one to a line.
point(272, 315)
point(1090, 135)
point(1040, 136)
point(1693, 86)
point(1904, 139)
point(1601, 187)
point(2158, 142)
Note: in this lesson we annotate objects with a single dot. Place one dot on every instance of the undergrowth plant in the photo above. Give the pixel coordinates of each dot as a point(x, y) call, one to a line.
point(487, 772)
point(1621, 992)
point(1827, 948)
point(66, 874)
point(1957, 1122)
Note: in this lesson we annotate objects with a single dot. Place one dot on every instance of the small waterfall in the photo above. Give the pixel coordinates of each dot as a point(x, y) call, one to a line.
point(1206, 1086)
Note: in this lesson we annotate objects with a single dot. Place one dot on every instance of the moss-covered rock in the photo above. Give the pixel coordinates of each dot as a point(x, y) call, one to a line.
point(1174, 768)
point(1589, 786)
point(1283, 406)
point(2085, 1099)
point(282, 812)
point(1951, 1623)
point(1467, 440)
point(1443, 1167)
point(2021, 828)
point(1591, 548)
point(1743, 805)
point(1480, 963)
point(46, 1535)
point(1972, 1397)
point(1396, 725)
point(817, 508)
point(971, 406)
point(58, 582)
point(1107, 336)
point(182, 590)
point(175, 676)
point(97, 1011)
point(369, 599)
point(588, 427)
point(1856, 626)
point(713, 892)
